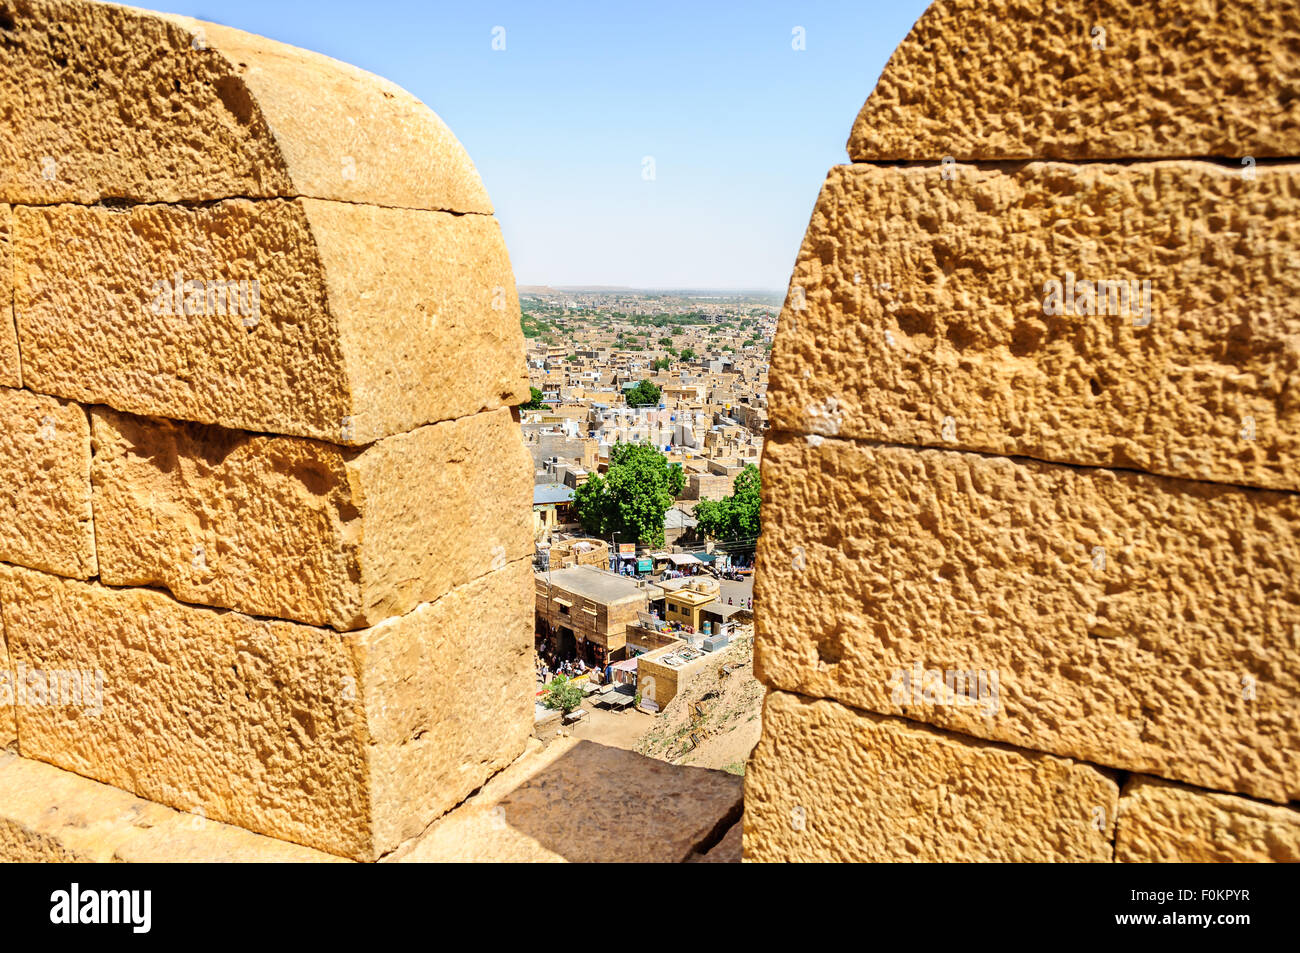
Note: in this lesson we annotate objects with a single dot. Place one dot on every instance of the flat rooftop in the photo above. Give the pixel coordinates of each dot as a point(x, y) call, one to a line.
point(593, 583)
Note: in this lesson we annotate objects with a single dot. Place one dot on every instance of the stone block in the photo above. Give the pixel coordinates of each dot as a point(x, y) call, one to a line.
point(45, 512)
point(10, 372)
point(348, 743)
point(1164, 822)
point(582, 802)
point(198, 112)
point(341, 322)
point(50, 815)
point(1133, 621)
point(828, 783)
point(304, 530)
point(918, 316)
point(1007, 79)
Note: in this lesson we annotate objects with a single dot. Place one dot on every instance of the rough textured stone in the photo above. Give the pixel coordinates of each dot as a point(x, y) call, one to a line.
point(726, 851)
point(10, 372)
point(925, 300)
point(1173, 651)
point(584, 802)
point(47, 814)
point(8, 726)
point(312, 424)
point(828, 783)
point(1001, 79)
point(45, 516)
point(1159, 821)
point(344, 742)
point(449, 698)
point(304, 530)
point(196, 112)
point(368, 321)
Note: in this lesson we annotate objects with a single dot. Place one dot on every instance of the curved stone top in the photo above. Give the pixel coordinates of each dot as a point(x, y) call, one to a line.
point(99, 102)
point(1089, 79)
point(209, 226)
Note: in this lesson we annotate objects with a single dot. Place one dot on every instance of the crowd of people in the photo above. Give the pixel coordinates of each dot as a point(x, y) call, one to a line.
point(678, 573)
point(548, 666)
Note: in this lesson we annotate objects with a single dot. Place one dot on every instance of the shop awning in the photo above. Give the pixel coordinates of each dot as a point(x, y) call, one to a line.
point(627, 665)
point(684, 559)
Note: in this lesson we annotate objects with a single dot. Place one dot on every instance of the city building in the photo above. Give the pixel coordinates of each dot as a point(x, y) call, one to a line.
point(583, 612)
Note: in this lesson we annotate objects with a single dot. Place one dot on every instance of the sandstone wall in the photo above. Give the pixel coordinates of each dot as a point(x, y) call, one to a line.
point(257, 365)
point(1021, 539)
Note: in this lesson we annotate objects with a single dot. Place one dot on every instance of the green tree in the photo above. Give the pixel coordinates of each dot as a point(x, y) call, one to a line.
point(660, 364)
point(630, 500)
point(535, 401)
point(642, 394)
point(688, 353)
point(562, 694)
point(736, 516)
point(665, 342)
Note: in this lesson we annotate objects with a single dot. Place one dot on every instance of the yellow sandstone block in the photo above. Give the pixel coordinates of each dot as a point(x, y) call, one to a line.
point(10, 372)
point(342, 322)
point(828, 783)
point(304, 530)
point(8, 727)
point(348, 743)
point(1089, 613)
point(45, 515)
point(1160, 821)
point(196, 112)
point(919, 315)
point(583, 802)
point(51, 815)
point(1007, 79)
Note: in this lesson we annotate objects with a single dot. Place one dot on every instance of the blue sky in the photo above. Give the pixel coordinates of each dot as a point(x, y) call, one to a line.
point(741, 126)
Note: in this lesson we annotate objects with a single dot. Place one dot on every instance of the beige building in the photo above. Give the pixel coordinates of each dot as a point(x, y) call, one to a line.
point(684, 602)
point(661, 674)
point(584, 612)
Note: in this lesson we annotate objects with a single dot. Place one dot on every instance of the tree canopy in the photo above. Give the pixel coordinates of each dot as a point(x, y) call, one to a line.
point(535, 401)
point(562, 694)
point(642, 394)
point(734, 517)
point(630, 500)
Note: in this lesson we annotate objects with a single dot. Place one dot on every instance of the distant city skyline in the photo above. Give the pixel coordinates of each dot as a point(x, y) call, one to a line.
point(524, 286)
point(673, 146)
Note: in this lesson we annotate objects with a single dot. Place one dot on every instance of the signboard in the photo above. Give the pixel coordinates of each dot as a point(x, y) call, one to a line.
point(645, 564)
point(627, 549)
